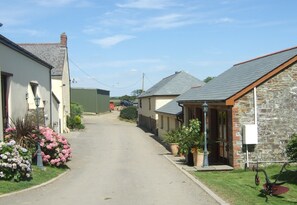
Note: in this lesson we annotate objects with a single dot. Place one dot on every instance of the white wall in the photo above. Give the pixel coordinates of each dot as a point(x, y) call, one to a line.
point(156, 103)
point(58, 108)
point(172, 124)
point(24, 70)
point(66, 92)
point(61, 88)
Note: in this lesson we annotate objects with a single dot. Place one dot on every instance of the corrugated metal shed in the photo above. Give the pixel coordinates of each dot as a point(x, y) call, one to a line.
point(92, 100)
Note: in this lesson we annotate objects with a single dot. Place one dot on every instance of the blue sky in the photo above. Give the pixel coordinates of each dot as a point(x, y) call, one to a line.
point(113, 42)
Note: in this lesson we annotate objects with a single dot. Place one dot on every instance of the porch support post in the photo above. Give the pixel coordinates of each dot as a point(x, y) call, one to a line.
point(205, 153)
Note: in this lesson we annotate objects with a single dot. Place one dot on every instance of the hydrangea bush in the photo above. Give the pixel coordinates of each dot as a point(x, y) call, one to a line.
point(15, 162)
point(55, 149)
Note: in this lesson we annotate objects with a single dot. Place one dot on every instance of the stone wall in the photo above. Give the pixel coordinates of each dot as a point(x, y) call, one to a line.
point(277, 118)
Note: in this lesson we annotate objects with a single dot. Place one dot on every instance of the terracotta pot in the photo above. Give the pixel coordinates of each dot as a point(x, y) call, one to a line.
point(197, 157)
point(174, 148)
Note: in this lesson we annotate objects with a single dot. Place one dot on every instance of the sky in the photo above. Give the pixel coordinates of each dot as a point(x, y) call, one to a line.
point(112, 44)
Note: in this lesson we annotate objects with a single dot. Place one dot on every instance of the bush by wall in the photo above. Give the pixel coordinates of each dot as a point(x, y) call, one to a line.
point(55, 149)
point(129, 113)
point(74, 120)
point(292, 148)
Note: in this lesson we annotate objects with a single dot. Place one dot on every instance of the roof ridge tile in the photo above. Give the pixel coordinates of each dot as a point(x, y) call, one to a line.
point(263, 56)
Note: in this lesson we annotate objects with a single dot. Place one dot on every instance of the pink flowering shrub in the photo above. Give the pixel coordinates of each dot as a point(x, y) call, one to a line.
point(55, 149)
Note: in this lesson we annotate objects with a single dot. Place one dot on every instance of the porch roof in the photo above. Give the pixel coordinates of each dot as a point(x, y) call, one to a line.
point(241, 78)
point(171, 108)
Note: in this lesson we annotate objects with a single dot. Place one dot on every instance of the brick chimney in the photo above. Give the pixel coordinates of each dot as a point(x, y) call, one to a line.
point(63, 39)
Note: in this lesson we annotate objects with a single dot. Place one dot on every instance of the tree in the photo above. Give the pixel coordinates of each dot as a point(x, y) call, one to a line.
point(127, 98)
point(206, 80)
point(136, 92)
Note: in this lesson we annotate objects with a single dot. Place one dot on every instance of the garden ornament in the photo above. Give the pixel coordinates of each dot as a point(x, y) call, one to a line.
point(271, 188)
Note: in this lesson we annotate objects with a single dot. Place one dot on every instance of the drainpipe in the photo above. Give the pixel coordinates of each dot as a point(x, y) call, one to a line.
point(256, 123)
point(181, 120)
point(255, 105)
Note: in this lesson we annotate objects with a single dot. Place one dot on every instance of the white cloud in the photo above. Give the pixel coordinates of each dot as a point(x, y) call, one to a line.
point(166, 21)
point(16, 18)
point(112, 40)
point(53, 3)
point(25, 32)
point(84, 4)
point(147, 4)
point(224, 20)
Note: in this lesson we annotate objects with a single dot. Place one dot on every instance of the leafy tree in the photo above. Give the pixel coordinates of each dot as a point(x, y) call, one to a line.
point(128, 98)
point(136, 92)
point(206, 80)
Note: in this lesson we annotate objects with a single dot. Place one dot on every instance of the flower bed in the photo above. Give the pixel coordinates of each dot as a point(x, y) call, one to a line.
point(15, 162)
point(55, 149)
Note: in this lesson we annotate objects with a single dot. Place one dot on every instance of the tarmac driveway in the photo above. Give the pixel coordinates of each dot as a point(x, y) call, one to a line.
point(115, 163)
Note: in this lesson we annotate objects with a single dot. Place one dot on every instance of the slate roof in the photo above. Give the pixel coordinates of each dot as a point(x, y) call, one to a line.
point(171, 108)
point(14, 46)
point(52, 53)
point(173, 85)
point(238, 77)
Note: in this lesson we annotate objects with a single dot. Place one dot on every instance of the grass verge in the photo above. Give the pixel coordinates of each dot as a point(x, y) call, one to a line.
point(39, 177)
point(238, 187)
point(126, 120)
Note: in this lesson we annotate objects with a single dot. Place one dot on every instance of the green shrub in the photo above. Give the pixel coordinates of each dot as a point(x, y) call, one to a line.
point(77, 119)
point(292, 148)
point(74, 120)
point(21, 133)
point(76, 110)
point(173, 136)
point(129, 113)
point(189, 136)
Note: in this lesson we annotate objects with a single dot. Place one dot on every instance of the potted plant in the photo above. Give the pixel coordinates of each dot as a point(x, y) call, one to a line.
point(171, 138)
point(191, 141)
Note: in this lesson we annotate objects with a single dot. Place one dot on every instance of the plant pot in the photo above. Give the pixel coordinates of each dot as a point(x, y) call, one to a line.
point(197, 157)
point(189, 159)
point(174, 148)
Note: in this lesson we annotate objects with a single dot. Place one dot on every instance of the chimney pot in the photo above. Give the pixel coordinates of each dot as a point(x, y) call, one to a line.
point(64, 39)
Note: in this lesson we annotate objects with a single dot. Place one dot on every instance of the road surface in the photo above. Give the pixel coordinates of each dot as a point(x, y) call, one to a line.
point(115, 163)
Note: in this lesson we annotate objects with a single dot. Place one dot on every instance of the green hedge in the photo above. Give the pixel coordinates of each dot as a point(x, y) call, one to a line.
point(129, 113)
